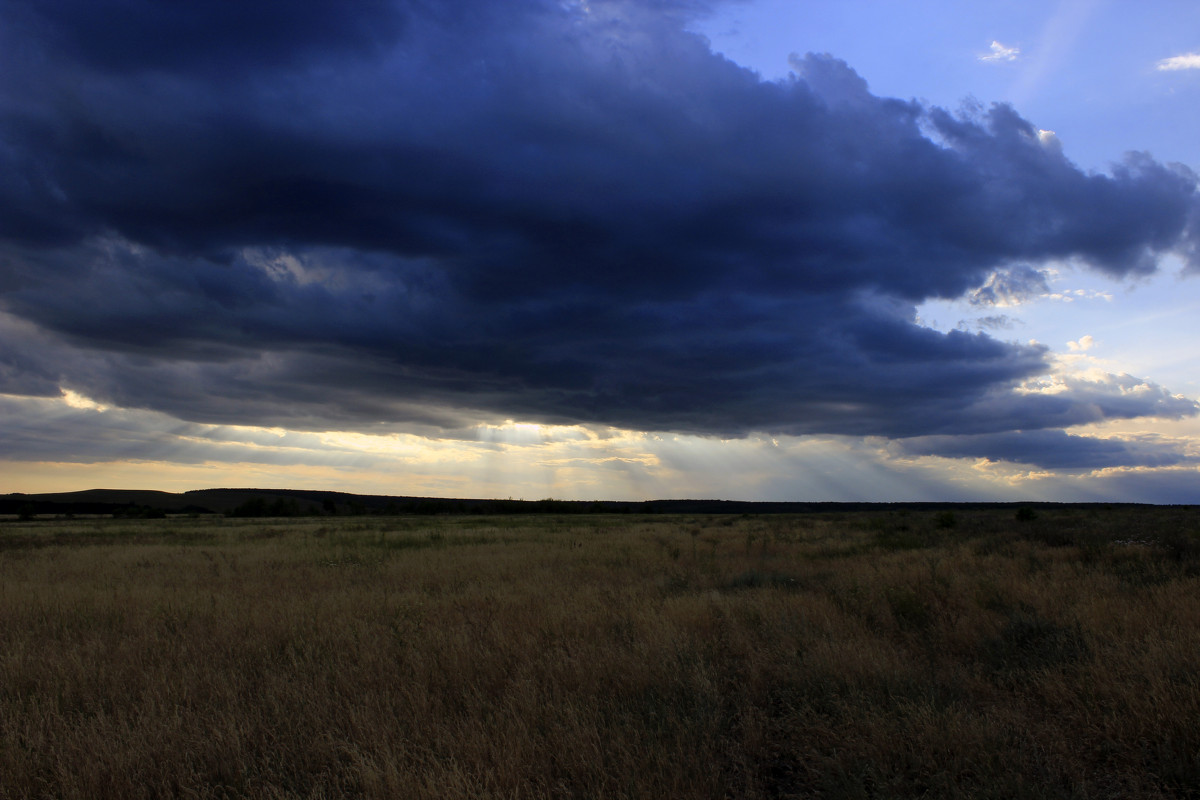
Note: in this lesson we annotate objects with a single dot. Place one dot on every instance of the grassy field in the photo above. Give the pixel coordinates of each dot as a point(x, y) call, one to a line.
point(942, 654)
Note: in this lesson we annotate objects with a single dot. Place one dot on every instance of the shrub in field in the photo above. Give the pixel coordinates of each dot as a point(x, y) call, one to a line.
point(1182, 547)
point(945, 520)
point(901, 538)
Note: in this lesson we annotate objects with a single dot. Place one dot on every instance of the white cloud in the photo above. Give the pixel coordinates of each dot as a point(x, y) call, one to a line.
point(1001, 53)
point(1186, 61)
point(1070, 295)
point(1085, 343)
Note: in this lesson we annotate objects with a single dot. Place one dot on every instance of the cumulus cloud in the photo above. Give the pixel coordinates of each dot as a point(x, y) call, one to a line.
point(1084, 344)
point(1065, 401)
point(1011, 286)
point(388, 215)
point(1185, 61)
point(999, 52)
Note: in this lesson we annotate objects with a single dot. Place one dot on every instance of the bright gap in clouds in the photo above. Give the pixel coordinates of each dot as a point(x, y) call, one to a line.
point(524, 461)
point(1108, 76)
point(1101, 330)
point(124, 448)
point(1144, 327)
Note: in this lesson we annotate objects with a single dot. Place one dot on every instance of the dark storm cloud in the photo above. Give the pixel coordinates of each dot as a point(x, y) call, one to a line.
point(1050, 449)
point(224, 36)
point(344, 215)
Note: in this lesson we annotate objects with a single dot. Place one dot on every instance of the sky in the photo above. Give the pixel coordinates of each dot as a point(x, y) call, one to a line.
point(602, 249)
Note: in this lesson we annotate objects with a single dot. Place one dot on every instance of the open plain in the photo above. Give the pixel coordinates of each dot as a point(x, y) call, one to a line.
point(957, 653)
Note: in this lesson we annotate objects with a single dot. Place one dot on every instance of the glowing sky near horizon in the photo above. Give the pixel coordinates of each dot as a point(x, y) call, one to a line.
point(752, 250)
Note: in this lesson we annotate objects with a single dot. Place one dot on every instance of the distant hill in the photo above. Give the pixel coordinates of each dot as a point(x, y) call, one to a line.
point(304, 502)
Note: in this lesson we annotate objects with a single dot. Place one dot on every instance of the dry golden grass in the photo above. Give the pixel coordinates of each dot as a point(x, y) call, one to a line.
point(895, 655)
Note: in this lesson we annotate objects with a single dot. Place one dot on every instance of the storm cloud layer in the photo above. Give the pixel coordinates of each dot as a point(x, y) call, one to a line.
point(325, 216)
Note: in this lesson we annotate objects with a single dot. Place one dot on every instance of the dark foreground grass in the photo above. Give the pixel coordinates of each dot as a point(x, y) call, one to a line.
point(898, 655)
